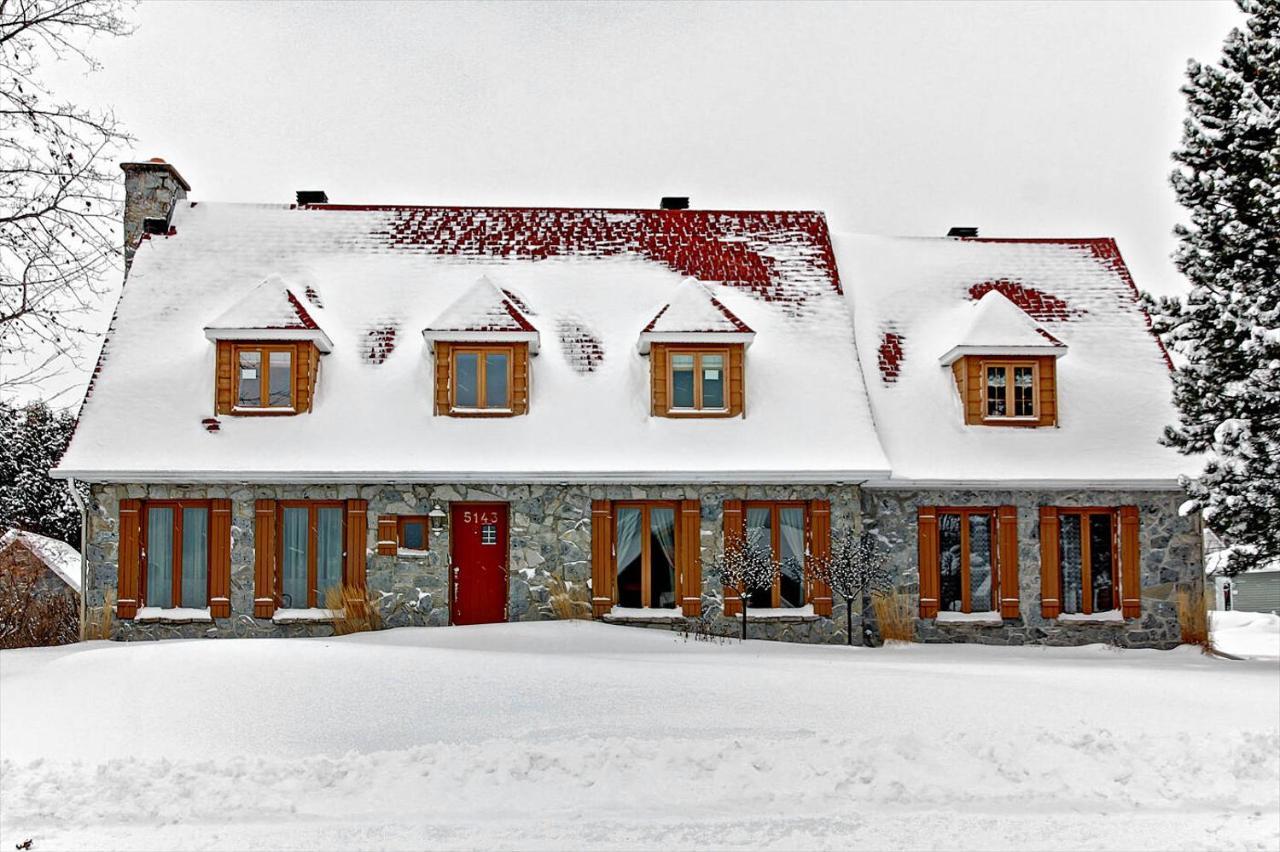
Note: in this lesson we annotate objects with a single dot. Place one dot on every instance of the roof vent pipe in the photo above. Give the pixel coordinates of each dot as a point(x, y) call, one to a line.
point(312, 196)
point(963, 231)
point(675, 202)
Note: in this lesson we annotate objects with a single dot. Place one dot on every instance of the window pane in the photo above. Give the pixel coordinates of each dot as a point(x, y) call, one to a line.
point(195, 558)
point(760, 534)
point(294, 567)
point(627, 548)
point(328, 551)
point(662, 557)
point(495, 380)
point(1069, 556)
point(1102, 578)
point(682, 381)
point(250, 395)
point(414, 536)
point(791, 543)
point(465, 383)
point(280, 390)
point(995, 392)
point(1023, 392)
point(979, 563)
point(949, 589)
point(160, 557)
point(713, 381)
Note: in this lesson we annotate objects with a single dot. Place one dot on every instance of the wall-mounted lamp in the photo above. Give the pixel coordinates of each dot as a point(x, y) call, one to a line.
point(438, 516)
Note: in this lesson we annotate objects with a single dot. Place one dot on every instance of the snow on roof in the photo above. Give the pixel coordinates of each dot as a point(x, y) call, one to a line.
point(267, 310)
point(61, 558)
point(695, 314)
point(483, 312)
point(592, 277)
point(999, 327)
point(1114, 392)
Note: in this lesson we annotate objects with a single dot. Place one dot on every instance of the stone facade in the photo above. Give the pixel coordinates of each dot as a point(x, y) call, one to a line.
point(150, 192)
point(550, 537)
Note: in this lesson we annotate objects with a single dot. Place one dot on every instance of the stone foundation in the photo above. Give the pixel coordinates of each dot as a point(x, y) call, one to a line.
point(550, 537)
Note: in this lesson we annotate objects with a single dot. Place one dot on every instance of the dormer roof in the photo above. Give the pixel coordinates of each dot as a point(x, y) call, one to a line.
point(695, 315)
point(483, 313)
point(269, 311)
point(999, 327)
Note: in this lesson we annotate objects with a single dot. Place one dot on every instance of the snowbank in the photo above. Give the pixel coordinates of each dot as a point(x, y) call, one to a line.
point(1246, 634)
point(578, 734)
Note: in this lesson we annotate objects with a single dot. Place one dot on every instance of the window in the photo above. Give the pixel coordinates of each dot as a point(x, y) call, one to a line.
point(176, 554)
point(966, 560)
point(311, 552)
point(1009, 390)
point(481, 379)
point(264, 378)
point(697, 380)
point(782, 528)
point(645, 551)
point(1088, 554)
point(412, 531)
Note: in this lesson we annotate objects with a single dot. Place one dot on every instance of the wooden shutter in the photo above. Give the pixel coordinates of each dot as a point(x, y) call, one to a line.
point(737, 380)
point(306, 370)
point(220, 558)
point(1050, 569)
point(691, 555)
point(520, 378)
point(927, 556)
point(357, 542)
point(442, 351)
point(388, 535)
point(734, 534)
point(658, 389)
point(264, 559)
point(820, 548)
point(601, 557)
point(128, 558)
point(1007, 559)
point(1130, 564)
point(224, 377)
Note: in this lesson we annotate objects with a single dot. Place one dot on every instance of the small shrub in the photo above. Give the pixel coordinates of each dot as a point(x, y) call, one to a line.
point(568, 600)
point(895, 615)
point(1193, 618)
point(354, 611)
point(706, 628)
point(31, 616)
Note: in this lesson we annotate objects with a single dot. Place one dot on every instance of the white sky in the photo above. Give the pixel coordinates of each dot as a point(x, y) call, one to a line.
point(1025, 119)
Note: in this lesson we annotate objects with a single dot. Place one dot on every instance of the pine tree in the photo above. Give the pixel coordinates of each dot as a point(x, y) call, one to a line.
point(32, 439)
point(1227, 332)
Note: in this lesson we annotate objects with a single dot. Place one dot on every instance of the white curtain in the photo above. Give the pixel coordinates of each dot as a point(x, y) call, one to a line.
point(663, 523)
point(295, 558)
point(160, 557)
point(628, 557)
point(195, 558)
point(328, 552)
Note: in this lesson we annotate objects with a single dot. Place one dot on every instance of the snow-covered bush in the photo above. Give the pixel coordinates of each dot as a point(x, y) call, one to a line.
point(745, 567)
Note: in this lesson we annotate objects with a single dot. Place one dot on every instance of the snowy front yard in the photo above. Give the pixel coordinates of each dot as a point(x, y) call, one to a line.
point(585, 735)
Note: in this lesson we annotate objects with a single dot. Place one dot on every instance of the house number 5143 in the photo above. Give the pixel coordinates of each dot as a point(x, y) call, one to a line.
point(479, 517)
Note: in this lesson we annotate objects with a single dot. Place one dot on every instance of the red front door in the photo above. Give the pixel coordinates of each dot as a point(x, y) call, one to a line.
point(478, 543)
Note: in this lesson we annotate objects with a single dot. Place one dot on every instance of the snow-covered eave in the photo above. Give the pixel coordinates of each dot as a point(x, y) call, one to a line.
point(344, 477)
point(315, 335)
point(1028, 484)
point(725, 337)
point(430, 335)
point(957, 352)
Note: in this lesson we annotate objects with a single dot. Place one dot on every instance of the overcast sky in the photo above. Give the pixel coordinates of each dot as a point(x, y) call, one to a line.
point(1025, 119)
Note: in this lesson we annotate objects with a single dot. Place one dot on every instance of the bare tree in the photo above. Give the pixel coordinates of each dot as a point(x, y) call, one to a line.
point(855, 569)
point(745, 567)
point(59, 198)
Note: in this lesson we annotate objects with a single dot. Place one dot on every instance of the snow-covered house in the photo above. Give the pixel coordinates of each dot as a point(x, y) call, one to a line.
point(455, 410)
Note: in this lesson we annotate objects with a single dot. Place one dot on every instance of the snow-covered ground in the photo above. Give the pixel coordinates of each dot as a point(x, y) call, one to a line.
point(1246, 634)
point(578, 734)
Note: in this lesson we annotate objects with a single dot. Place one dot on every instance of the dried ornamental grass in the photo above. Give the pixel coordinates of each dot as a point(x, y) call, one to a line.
point(1193, 617)
point(98, 619)
point(568, 600)
point(895, 616)
point(354, 611)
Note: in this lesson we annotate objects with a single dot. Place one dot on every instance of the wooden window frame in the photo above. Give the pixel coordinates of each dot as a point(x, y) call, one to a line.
point(177, 506)
point(697, 354)
point(1009, 365)
point(482, 372)
point(313, 528)
point(775, 544)
point(966, 583)
point(1086, 554)
point(264, 351)
point(646, 548)
point(402, 520)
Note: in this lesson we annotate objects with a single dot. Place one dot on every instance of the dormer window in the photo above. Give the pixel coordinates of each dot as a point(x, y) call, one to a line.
point(265, 378)
point(1010, 390)
point(481, 379)
point(697, 356)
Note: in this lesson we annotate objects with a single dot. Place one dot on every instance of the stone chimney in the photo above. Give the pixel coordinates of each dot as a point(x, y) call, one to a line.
point(151, 191)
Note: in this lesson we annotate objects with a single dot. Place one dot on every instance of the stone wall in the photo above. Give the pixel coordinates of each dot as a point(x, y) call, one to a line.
point(550, 536)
